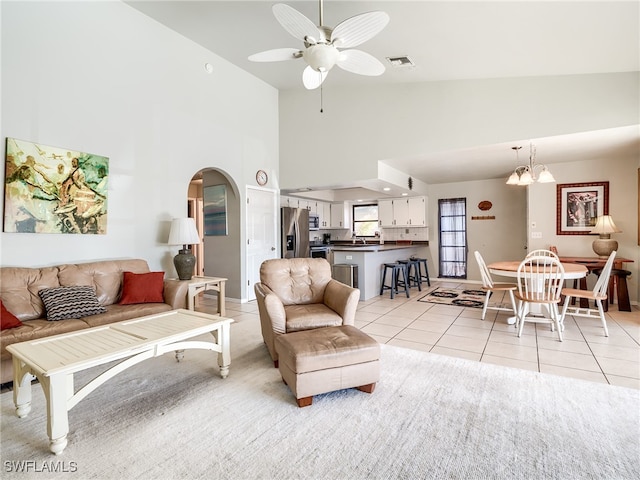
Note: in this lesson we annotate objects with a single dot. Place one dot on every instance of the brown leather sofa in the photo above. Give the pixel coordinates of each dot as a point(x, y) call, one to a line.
point(299, 294)
point(19, 292)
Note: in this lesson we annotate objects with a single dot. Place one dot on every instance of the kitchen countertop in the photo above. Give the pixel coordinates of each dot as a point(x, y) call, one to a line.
point(370, 247)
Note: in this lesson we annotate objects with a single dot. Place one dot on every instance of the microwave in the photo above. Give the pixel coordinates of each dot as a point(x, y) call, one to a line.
point(314, 221)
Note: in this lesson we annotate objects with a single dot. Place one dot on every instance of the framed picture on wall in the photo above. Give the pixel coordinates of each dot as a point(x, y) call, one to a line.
point(215, 210)
point(54, 190)
point(579, 205)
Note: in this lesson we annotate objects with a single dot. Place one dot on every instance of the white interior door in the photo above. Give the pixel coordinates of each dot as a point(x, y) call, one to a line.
point(262, 232)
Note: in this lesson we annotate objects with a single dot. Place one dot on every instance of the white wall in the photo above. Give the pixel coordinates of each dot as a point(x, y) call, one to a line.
point(362, 125)
point(622, 175)
point(100, 77)
point(501, 239)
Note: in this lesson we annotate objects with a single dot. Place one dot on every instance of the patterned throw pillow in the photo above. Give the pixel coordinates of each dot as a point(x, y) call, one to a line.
point(70, 302)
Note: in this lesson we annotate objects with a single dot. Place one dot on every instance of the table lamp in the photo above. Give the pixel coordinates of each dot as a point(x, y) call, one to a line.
point(183, 232)
point(604, 245)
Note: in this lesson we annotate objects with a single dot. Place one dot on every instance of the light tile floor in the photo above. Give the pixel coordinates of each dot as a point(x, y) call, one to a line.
point(459, 332)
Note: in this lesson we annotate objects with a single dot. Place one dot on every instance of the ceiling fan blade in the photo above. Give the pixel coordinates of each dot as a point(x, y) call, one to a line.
point(276, 55)
point(294, 22)
point(362, 63)
point(312, 78)
point(356, 30)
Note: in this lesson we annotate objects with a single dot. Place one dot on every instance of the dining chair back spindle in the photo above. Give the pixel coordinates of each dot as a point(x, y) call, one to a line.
point(542, 253)
point(540, 281)
point(598, 294)
point(489, 286)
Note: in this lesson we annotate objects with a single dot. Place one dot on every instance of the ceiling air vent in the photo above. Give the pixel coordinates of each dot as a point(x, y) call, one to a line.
point(403, 61)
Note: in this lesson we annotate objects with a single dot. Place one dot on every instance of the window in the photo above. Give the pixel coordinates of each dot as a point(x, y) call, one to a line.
point(452, 221)
point(365, 220)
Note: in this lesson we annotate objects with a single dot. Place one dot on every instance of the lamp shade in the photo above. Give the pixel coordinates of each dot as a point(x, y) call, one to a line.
point(183, 232)
point(605, 225)
point(545, 176)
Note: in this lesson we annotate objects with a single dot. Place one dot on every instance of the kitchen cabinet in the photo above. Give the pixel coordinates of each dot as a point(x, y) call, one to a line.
point(305, 204)
point(324, 214)
point(417, 211)
point(385, 213)
point(339, 216)
point(289, 202)
point(403, 212)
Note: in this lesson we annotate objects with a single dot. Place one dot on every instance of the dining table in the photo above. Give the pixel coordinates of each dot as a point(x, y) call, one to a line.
point(509, 268)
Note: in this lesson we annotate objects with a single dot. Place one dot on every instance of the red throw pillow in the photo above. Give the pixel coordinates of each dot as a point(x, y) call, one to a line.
point(142, 288)
point(7, 319)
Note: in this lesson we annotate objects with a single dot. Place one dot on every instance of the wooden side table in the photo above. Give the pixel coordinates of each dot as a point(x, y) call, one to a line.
point(200, 284)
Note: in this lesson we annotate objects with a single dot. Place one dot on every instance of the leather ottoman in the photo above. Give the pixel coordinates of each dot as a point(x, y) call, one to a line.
point(327, 359)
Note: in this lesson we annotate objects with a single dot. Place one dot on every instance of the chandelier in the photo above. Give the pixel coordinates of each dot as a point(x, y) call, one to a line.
point(528, 174)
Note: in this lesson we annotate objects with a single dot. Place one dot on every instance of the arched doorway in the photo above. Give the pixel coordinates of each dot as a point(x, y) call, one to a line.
point(219, 253)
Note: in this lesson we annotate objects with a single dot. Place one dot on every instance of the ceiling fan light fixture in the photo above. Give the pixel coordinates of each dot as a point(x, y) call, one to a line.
point(321, 57)
point(321, 43)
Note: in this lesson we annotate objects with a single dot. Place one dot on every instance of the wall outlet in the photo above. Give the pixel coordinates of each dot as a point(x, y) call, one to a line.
point(349, 257)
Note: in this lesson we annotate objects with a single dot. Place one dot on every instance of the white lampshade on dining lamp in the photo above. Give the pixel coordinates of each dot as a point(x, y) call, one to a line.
point(184, 232)
point(604, 245)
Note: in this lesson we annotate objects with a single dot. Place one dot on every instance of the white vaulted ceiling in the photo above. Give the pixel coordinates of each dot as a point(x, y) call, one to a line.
point(446, 40)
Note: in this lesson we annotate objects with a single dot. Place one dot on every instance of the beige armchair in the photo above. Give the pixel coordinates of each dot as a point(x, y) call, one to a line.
point(299, 294)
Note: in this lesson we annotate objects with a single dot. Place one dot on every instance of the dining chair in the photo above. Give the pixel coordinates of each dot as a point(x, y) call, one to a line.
point(598, 294)
point(540, 280)
point(542, 253)
point(489, 286)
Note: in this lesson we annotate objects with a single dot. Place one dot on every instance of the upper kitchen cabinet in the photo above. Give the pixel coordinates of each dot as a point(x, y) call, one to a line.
point(306, 204)
point(339, 215)
point(403, 212)
point(288, 202)
point(385, 213)
point(323, 210)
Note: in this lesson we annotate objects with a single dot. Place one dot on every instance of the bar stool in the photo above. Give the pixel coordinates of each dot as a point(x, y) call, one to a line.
point(411, 265)
point(397, 270)
point(423, 276)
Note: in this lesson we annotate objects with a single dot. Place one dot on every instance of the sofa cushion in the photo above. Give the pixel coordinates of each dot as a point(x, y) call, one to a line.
point(104, 276)
point(7, 319)
point(70, 302)
point(20, 286)
point(142, 288)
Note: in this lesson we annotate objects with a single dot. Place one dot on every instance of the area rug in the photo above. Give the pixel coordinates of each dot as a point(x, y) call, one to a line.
point(430, 416)
point(462, 297)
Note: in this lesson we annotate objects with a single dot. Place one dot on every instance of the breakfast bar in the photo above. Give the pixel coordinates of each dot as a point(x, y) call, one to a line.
point(370, 258)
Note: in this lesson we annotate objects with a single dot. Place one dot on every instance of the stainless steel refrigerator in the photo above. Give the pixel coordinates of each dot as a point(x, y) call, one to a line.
point(295, 232)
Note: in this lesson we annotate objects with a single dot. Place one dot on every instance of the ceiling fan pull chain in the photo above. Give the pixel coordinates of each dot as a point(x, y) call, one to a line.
point(321, 100)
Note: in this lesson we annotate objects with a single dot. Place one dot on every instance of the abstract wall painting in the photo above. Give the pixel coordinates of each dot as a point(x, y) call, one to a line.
point(54, 190)
point(215, 210)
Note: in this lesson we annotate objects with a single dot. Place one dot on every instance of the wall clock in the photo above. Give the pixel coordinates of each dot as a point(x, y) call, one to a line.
point(261, 177)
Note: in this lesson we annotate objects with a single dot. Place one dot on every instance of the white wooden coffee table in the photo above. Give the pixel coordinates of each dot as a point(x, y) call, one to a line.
point(54, 360)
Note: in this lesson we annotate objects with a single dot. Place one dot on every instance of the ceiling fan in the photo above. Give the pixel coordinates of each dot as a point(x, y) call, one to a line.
point(321, 44)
